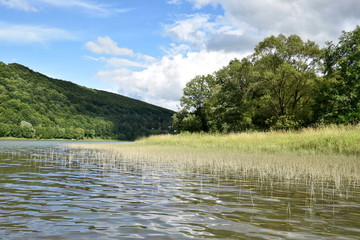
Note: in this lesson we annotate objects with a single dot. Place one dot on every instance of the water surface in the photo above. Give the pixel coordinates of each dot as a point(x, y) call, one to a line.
point(43, 195)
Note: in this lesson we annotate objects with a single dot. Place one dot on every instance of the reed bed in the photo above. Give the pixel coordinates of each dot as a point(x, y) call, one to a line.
point(325, 154)
point(333, 139)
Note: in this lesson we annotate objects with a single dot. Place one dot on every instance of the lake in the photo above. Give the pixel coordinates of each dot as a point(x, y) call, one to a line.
point(48, 191)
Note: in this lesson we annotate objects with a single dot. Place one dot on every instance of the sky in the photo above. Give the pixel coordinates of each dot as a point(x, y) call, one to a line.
point(150, 49)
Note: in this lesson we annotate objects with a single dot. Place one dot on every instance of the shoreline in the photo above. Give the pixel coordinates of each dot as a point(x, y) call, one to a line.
point(333, 154)
point(72, 140)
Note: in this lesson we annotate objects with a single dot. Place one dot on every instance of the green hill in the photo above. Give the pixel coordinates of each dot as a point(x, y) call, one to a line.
point(33, 105)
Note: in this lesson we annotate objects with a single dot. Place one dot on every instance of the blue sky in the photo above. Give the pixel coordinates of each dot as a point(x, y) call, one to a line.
point(149, 49)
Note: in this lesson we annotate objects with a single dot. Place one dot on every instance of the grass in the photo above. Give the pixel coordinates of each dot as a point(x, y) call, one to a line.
point(344, 140)
point(329, 153)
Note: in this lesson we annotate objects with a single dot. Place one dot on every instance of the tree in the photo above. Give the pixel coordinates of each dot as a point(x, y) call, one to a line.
point(5, 130)
point(79, 133)
point(286, 74)
point(338, 100)
point(46, 103)
point(287, 83)
point(193, 103)
point(27, 130)
point(227, 108)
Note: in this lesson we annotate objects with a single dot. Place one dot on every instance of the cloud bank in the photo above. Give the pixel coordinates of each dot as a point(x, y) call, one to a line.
point(203, 43)
point(161, 83)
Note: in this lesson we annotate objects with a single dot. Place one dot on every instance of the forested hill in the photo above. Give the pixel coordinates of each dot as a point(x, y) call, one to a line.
point(33, 105)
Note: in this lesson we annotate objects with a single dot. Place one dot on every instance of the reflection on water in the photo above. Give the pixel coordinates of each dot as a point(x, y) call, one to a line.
point(44, 197)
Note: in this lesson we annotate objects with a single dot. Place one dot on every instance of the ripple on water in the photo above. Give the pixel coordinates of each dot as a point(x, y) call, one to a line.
point(49, 198)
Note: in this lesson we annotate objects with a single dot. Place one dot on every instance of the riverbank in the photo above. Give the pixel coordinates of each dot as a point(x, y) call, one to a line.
point(59, 139)
point(344, 140)
point(328, 153)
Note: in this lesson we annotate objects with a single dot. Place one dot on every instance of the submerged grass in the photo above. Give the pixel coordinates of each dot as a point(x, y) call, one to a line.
point(329, 153)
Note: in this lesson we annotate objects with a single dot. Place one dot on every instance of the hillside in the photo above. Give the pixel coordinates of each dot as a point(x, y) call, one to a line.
point(33, 105)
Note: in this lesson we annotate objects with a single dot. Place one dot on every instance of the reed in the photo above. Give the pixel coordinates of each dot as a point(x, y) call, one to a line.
point(329, 153)
point(334, 139)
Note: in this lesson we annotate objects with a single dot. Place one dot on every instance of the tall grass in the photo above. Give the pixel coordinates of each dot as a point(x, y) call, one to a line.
point(344, 140)
point(329, 153)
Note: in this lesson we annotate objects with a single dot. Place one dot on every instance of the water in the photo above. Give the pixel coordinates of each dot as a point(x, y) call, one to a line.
point(44, 196)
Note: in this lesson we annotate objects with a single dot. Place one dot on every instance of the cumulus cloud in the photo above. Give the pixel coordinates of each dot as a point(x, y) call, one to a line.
point(32, 33)
point(162, 82)
point(320, 20)
point(192, 30)
point(202, 31)
point(105, 45)
point(203, 43)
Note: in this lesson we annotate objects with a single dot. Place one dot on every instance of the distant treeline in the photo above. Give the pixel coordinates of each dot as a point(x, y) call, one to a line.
point(285, 84)
point(33, 105)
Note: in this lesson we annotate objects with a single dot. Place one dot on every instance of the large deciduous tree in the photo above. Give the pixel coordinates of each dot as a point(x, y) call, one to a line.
point(286, 74)
point(192, 115)
point(227, 108)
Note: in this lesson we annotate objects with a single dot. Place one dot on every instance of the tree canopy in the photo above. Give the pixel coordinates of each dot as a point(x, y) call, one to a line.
point(287, 83)
point(35, 106)
point(339, 99)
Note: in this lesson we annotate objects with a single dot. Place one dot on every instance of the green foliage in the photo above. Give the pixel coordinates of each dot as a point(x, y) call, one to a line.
point(281, 86)
point(5, 130)
point(285, 76)
point(35, 106)
point(227, 107)
point(192, 123)
point(339, 98)
point(196, 92)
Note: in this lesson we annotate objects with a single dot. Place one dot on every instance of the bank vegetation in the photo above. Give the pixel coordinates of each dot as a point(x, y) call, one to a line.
point(326, 154)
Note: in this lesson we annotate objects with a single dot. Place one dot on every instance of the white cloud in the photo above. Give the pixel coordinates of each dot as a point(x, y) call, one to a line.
point(253, 20)
point(214, 34)
point(192, 30)
point(319, 20)
point(89, 6)
point(204, 43)
point(162, 82)
point(176, 49)
point(105, 45)
point(118, 62)
point(197, 3)
point(32, 33)
point(174, 2)
point(22, 5)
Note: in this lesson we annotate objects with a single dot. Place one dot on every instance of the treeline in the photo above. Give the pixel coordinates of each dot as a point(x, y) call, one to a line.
point(26, 130)
point(286, 83)
point(33, 105)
